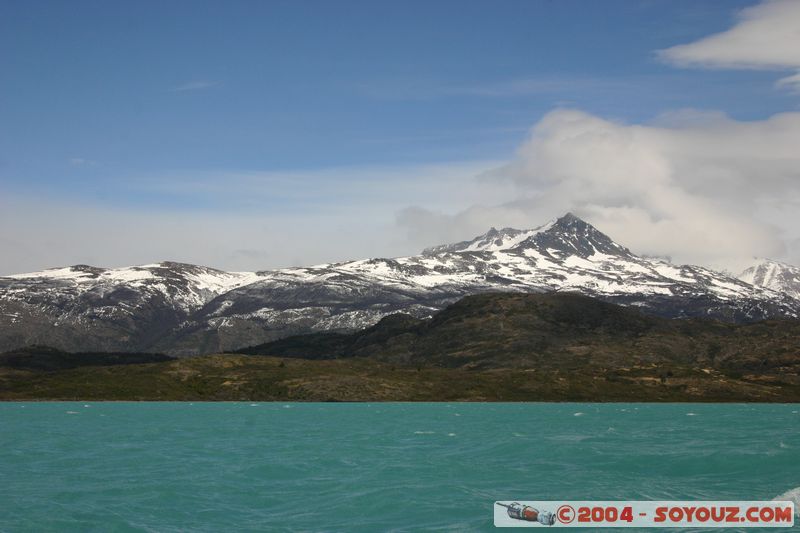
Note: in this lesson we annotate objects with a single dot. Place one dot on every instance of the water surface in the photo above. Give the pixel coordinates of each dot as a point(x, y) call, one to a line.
point(372, 467)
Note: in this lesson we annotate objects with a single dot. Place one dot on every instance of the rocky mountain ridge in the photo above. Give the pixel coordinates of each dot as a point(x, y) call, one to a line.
point(184, 309)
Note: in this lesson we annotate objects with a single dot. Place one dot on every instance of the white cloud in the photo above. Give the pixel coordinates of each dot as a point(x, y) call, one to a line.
point(791, 83)
point(766, 36)
point(82, 162)
point(697, 186)
point(426, 227)
point(237, 220)
point(694, 189)
point(66, 233)
point(194, 86)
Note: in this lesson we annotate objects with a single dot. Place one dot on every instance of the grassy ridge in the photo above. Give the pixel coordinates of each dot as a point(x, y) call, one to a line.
point(239, 377)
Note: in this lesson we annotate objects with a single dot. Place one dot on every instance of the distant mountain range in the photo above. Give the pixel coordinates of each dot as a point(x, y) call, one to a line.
point(183, 309)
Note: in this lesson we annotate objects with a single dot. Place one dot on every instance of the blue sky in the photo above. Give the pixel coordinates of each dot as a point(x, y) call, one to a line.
point(287, 85)
point(169, 107)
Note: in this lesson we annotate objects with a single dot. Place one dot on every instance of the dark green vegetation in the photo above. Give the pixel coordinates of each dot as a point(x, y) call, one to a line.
point(50, 359)
point(556, 346)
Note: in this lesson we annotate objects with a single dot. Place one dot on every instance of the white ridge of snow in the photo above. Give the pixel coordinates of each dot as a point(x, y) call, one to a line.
point(222, 282)
point(773, 275)
point(65, 273)
point(506, 242)
point(200, 284)
point(671, 272)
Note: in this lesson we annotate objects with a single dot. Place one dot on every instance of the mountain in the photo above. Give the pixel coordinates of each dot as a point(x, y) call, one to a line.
point(779, 277)
point(498, 346)
point(556, 331)
point(84, 308)
point(183, 309)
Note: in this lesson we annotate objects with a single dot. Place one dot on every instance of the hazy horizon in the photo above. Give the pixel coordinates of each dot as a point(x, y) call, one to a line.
point(723, 268)
point(256, 136)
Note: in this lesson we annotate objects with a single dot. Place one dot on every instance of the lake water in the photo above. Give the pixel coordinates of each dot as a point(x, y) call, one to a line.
point(372, 467)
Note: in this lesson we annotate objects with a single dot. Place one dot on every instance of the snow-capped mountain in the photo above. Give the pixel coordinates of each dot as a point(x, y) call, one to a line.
point(89, 308)
point(773, 275)
point(186, 309)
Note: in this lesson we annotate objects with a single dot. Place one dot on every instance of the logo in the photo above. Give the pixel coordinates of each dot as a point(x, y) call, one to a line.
point(517, 511)
point(645, 514)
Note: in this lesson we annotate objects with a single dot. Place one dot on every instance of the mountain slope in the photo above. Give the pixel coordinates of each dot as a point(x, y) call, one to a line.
point(187, 310)
point(84, 308)
point(556, 332)
point(774, 275)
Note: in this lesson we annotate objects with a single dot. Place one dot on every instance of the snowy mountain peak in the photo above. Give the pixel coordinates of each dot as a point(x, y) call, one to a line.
point(773, 275)
point(570, 235)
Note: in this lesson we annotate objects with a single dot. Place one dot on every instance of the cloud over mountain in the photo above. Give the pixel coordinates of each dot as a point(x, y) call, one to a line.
point(703, 188)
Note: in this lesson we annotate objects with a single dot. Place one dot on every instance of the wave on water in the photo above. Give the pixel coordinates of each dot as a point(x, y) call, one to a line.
point(792, 495)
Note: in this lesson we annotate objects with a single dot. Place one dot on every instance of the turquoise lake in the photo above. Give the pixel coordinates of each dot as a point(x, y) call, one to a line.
point(372, 467)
